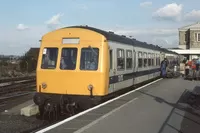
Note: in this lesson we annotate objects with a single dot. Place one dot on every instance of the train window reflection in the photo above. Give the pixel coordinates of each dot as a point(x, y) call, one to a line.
point(149, 59)
point(140, 59)
point(153, 57)
point(120, 59)
point(129, 59)
point(145, 59)
point(158, 60)
point(89, 58)
point(49, 58)
point(68, 59)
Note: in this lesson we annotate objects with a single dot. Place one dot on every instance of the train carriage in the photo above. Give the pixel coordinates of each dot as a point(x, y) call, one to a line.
point(79, 65)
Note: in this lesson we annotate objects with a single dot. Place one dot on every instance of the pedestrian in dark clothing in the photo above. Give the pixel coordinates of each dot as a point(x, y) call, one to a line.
point(163, 68)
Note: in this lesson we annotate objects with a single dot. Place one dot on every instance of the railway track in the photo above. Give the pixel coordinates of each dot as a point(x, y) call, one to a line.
point(14, 79)
point(26, 85)
point(15, 87)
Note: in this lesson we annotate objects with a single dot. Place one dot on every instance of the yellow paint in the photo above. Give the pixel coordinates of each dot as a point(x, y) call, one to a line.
point(76, 81)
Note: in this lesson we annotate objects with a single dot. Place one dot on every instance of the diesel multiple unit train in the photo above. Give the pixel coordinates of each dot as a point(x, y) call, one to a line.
point(80, 65)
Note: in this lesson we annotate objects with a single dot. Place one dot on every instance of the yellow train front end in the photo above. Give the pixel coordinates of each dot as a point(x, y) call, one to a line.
point(72, 69)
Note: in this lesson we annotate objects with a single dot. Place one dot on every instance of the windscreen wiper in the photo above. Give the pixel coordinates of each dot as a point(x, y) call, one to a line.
point(92, 50)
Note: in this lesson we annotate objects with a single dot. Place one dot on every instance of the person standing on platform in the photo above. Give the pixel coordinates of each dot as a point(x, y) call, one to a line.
point(189, 64)
point(193, 67)
point(163, 68)
point(197, 68)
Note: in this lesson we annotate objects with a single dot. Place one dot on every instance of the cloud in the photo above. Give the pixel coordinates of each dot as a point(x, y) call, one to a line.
point(54, 21)
point(194, 15)
point(170, 12)
point(22, 27)
point(149, 31)
point(165, 42)
point(146, 4)
point(157, 36)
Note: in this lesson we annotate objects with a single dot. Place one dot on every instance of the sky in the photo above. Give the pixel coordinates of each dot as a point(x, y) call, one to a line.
point(23, 22)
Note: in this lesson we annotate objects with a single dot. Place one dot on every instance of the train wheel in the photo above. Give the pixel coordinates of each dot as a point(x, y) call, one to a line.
point(50, 111)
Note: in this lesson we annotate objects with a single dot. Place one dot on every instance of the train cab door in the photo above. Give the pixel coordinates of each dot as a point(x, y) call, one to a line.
point(111, 71)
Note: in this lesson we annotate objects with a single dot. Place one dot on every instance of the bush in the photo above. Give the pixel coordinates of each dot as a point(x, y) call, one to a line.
point(28, 63)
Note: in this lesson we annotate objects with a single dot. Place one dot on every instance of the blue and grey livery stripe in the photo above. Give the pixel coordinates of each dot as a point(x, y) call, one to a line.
point(127, 76)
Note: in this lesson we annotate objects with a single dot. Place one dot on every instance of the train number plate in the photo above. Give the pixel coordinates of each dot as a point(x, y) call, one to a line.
point(120, 78)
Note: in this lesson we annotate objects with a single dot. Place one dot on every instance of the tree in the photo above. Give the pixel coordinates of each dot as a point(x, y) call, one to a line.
point(29, 60)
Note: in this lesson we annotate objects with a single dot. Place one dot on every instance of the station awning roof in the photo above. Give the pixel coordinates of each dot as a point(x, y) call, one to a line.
point(186, 51)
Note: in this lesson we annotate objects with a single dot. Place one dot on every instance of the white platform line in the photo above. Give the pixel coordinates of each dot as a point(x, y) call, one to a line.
point(103, 117)
point(98, 106)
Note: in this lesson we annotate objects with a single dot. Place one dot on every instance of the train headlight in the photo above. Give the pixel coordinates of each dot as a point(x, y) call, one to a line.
point(44, 85)
point(90, 87)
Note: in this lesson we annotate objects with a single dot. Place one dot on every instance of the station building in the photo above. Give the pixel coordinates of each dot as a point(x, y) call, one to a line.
point(189, 41)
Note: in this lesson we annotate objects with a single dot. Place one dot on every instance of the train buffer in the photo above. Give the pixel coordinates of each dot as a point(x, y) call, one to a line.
point(161, 107)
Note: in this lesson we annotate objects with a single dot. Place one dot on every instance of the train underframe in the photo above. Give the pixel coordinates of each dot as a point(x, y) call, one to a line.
point(54, 105)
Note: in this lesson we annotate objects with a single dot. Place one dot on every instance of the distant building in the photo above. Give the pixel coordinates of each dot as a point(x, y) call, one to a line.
point(189, 41)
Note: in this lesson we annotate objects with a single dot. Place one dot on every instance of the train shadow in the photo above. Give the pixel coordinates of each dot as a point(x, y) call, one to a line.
point(185, 114)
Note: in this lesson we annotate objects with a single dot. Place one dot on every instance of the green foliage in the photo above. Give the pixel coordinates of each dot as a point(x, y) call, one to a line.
point(29, 61)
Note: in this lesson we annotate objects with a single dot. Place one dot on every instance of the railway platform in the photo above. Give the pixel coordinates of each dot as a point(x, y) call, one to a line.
point(165, 106)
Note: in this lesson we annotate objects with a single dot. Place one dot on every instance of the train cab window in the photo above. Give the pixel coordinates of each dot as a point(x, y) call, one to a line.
point(120, 59)
point(149, 59)
point(145, 59)
point(111, 59)
point(49, 58)
point(68, 59)
point(129, 59)
point(140, 59)
point(89, 58)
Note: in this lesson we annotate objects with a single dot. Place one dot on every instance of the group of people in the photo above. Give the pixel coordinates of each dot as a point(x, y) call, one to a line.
point(192, 68)
point(168, 68)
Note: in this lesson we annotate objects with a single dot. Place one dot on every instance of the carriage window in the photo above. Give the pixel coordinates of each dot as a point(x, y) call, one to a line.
point(152, 60)
point(68, 59)
point(89, 58)
point(139, 59)
point(158, 60)
point(129, 59)
point(111, 58)
point(120, 59)
point(149, 59)
point(49, 58)
point(145, 59)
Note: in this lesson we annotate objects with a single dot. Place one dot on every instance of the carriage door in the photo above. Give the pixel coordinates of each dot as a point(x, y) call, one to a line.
point(111, 71)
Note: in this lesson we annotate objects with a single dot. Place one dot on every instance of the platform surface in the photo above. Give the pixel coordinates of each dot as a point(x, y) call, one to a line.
point(159, 108)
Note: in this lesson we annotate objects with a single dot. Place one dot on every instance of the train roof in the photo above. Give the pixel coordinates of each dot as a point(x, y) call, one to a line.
point(123, 39)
